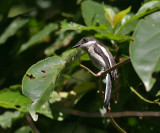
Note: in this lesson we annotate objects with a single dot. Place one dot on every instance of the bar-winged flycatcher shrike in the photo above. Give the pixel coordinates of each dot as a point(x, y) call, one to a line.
point(102, 58)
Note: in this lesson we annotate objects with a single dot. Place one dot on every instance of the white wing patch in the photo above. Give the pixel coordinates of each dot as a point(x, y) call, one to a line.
point(105, 52)
point(96, 59)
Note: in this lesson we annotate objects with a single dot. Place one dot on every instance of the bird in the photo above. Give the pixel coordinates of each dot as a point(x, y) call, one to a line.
point(101, 58)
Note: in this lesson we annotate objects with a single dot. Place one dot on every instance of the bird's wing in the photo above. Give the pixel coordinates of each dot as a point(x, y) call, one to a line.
point(100, 52)
point(108, 58)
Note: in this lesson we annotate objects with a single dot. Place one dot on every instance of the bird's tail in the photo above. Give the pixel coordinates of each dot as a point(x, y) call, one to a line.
point(108, 90)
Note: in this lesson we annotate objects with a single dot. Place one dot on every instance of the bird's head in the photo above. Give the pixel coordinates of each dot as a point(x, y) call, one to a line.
point(85, 43)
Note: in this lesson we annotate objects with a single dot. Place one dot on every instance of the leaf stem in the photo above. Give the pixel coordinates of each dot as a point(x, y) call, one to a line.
point(144, 99)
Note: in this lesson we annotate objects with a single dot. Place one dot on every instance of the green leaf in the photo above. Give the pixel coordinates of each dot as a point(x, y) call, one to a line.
point(12, 29)
point(119, 16)
point(93, 13)
point(145, 49)
point(7, 118)
point(64, 39)
point(40, 79)
point(158, 94)
point(38, 37)
point(85, 57)
point(111, 36)
point(110, 14)
point(130, 27)
point(74, 26)
point(24, 129)
point(147, 8)
point(12, 98)
point(101, 30)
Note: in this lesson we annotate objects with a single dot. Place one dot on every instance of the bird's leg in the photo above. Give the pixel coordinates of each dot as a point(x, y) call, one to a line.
point(108, 107)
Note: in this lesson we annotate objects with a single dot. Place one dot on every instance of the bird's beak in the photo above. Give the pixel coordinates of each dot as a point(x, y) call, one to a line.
point(77, 45)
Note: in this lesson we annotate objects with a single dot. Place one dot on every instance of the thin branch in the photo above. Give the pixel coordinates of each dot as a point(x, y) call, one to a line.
point(144, 99)
point(115, 123)
point(114, 114)
point(108, 70)
point(117, 65)
point(89, 70)
point(31, 123)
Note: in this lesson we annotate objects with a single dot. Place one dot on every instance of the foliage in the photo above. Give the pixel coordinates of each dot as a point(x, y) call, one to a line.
point(41, 75)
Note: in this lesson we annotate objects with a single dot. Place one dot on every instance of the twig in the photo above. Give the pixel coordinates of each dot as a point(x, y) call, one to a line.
point(108, 70)
point(89, 70)
point(115, 123)
point(117, 65)
point(114, 114)
point(144, 99)
point(31, 123)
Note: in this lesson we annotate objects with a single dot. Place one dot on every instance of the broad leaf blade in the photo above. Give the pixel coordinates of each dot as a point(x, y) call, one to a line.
point(147, 8)
point(7, 118)
point(145, 49)
point(63, 39)
point(130, 27)
point(24, 129)
point(8, 95)
point(38, 37)
point(12, 29)
point(40, 79)
point(93, 13)
point(110, 14)
point(119, 16)
point(72, 26)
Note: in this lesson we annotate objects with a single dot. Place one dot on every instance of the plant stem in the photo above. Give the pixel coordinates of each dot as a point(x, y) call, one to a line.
point(144, 99)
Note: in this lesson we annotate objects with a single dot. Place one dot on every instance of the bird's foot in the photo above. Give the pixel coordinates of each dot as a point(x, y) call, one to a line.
point(99, 73)
point(109, 108)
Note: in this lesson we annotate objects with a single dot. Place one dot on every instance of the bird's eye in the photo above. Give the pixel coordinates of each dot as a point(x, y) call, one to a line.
point(84, 40)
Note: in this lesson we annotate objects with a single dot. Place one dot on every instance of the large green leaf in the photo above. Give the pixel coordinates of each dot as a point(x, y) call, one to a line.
point(40, 79)
point(7, 118)
point(145, 49)
point(93, 13)
point(12, 29)
point(147, 8)
point(12, 98)
point(38, 37)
